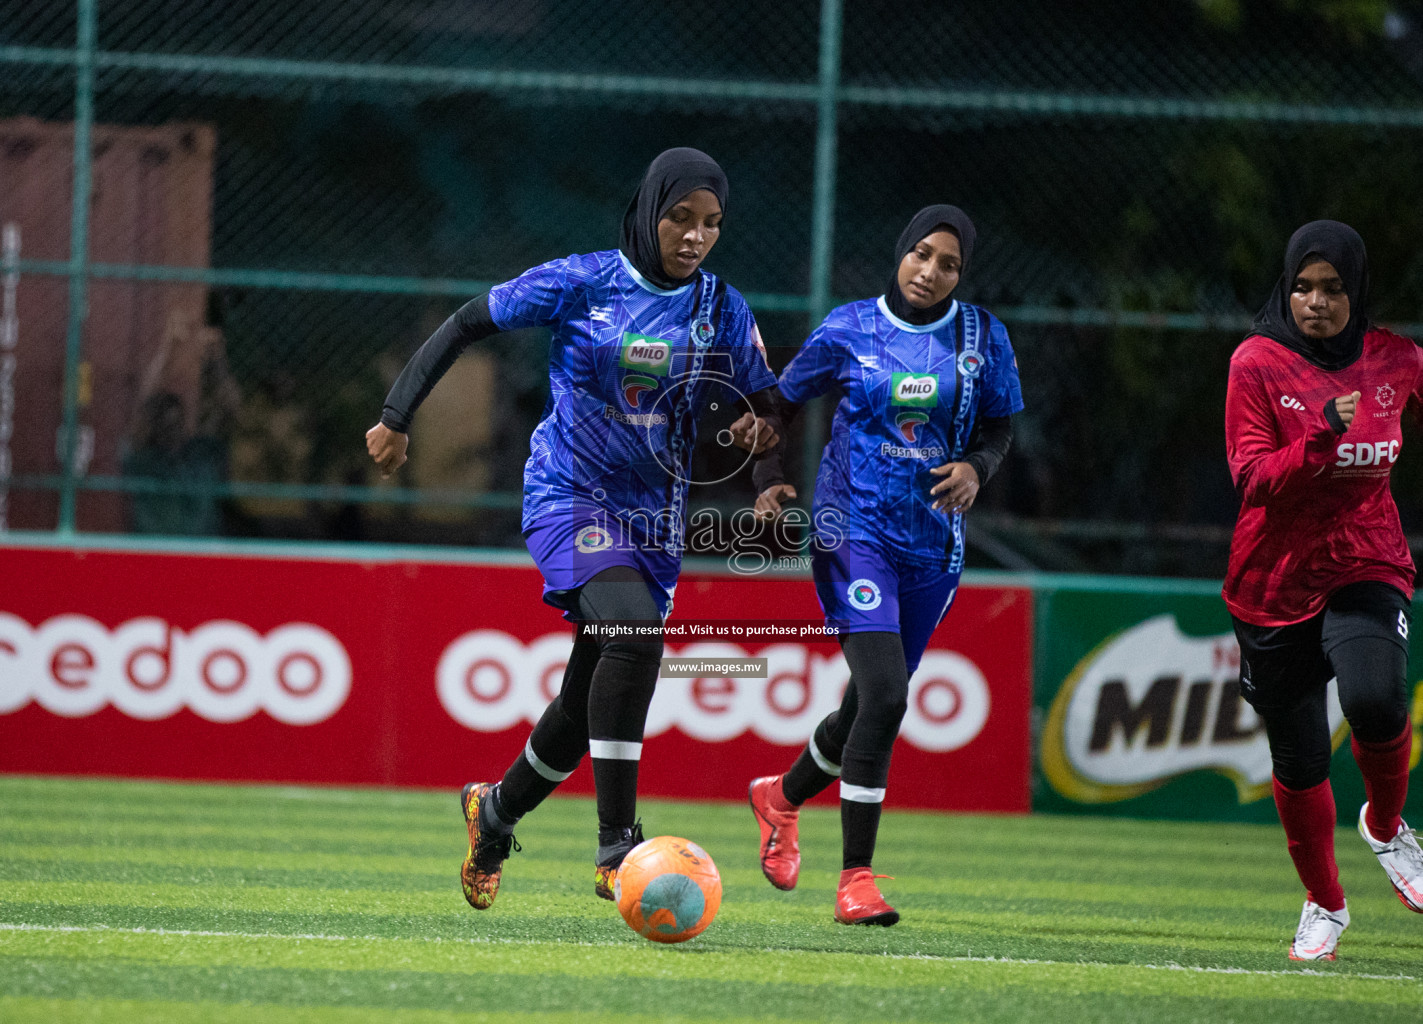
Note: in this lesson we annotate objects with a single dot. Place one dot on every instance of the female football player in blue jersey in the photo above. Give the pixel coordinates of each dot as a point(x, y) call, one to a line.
point(928, 388)
point(642, 338)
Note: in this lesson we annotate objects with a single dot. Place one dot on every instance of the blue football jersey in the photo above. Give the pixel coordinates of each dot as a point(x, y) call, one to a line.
point(630, 367)
point(911, 395)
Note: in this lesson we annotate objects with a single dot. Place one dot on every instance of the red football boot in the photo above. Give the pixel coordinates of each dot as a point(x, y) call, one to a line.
point(780, 833)
point(858, 900)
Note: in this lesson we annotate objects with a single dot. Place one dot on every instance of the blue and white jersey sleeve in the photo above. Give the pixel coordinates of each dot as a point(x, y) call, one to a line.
point(1002, 394)
point(750, 371)
point(542, 296)
point(814, 369)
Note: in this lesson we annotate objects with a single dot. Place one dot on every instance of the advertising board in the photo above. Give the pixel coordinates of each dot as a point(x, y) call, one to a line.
point(1138, 711)
point(400, 671)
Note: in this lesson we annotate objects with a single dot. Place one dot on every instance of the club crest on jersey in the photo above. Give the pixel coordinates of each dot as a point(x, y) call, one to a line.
point(970, 363)
point(633, 387)
point(909, 424)
point(864, 595)
point(1385, 395)
point(593, 538)
point(702, 331)
point(920, 390)
point(645, 355)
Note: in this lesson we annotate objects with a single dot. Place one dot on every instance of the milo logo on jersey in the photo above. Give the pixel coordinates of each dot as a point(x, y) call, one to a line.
point(920, 390)
point(645, 355)
point(909, 423)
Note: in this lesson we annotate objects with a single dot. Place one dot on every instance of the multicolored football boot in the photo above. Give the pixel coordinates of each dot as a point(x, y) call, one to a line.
point(611, 851)
point(488, 850)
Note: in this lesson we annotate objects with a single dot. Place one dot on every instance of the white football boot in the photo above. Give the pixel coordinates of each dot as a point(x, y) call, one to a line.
point(1402, 861)
point(1318, 932)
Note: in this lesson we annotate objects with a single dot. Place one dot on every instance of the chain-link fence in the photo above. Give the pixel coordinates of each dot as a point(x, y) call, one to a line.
point(272, 204)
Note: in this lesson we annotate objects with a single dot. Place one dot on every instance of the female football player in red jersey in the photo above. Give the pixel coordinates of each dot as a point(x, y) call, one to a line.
point(1320, 577)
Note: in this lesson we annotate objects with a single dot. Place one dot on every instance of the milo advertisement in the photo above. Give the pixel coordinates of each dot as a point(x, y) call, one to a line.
point(645, 354)
point(1138, 711)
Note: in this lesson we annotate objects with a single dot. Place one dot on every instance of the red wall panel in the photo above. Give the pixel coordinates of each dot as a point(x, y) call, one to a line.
point(429, 674)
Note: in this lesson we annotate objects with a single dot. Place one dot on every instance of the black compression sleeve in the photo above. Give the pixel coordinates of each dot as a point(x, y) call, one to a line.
point(767, 404)
point(1332, 417)
point(769, 467)
point(992, 437)
point(468, 324)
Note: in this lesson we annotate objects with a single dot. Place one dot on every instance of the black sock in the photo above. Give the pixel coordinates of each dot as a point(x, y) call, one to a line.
point(881, 678)
point(617, 713)
point(615, 843)
point(859, 827)
point(616, 782)
point(491, 818)
point(807, 777)
point(865, 769)
point(621, 689)
point(557, 744)
point(520, 791)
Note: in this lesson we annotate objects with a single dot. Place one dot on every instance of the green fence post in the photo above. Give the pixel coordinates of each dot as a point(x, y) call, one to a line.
point(78, 255)
point(822, 230)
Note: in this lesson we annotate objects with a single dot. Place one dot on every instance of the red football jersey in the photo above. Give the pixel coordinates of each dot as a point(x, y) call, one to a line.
point(1316, 511)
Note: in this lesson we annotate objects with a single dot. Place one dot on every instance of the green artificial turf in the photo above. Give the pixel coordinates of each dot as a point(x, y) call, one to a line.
point(124, 901)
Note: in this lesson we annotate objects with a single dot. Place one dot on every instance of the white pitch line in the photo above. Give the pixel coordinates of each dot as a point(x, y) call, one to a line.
point(1148, 967)
point(7, 926)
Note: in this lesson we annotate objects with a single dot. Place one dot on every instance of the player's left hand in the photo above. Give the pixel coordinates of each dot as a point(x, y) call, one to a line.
point(769, 501)
point(753, 434)
point(958, 488)
point(387, 447)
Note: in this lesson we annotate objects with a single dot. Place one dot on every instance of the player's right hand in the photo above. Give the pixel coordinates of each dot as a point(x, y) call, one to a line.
point(753, 434)
point(768, 503)
point(387, 448)
point(1346, 406)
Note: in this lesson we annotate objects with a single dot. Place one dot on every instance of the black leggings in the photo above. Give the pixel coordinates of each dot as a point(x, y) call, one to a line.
point(1359, 639)
point(607, 688)
point(609, 682)
point(860, 735)
point(1372, 676)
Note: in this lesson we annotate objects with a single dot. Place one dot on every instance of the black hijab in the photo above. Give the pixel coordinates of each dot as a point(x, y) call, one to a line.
point(925, 223)
point(1342, 247)
point(674, 175)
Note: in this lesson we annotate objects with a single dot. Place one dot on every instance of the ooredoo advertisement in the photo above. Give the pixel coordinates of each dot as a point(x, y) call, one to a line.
point(409, 672)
